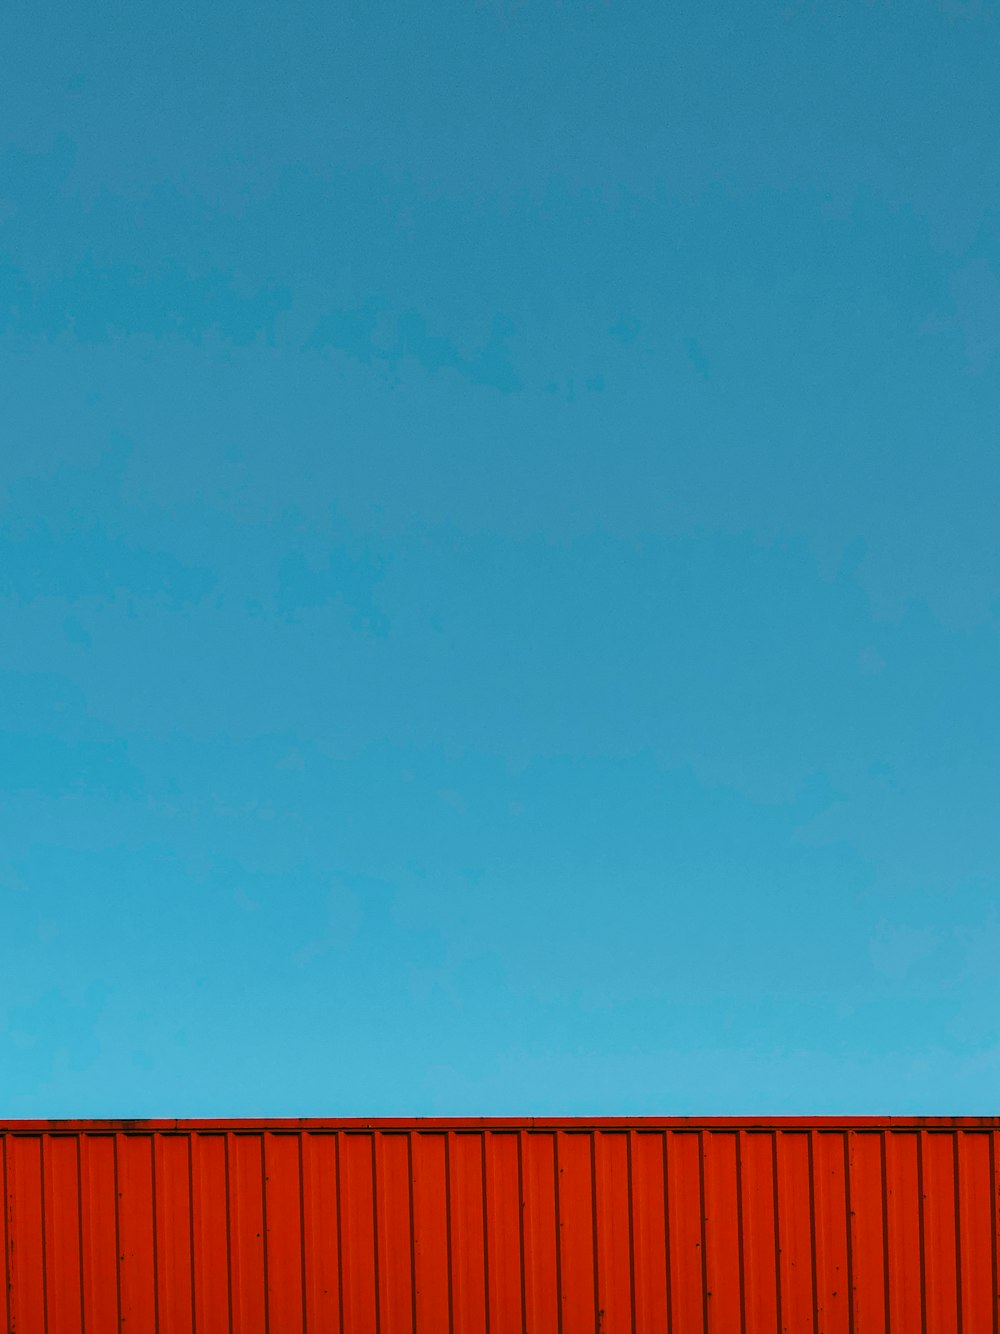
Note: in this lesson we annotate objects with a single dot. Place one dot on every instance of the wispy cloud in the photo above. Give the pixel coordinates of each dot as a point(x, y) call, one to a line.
point(371, 335)
point(94, 304)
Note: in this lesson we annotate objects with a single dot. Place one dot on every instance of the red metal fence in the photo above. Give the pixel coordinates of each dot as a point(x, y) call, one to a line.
point(501, 1227)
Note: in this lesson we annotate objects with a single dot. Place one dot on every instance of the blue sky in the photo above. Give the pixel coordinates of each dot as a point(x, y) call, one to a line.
point(500, 573)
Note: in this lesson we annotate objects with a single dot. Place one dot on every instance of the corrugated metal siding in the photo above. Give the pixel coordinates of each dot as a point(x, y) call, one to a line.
point(617, 1227)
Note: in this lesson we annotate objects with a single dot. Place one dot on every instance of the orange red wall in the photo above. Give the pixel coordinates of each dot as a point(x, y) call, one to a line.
point(501, 1227)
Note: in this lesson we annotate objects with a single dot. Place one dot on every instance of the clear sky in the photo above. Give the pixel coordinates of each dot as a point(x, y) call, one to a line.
point(501, 565)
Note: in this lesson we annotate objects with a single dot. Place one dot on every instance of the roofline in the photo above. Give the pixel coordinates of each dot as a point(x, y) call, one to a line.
point(474, 1123)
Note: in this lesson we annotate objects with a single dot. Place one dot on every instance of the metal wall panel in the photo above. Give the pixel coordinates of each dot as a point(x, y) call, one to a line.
point(501, 1227)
